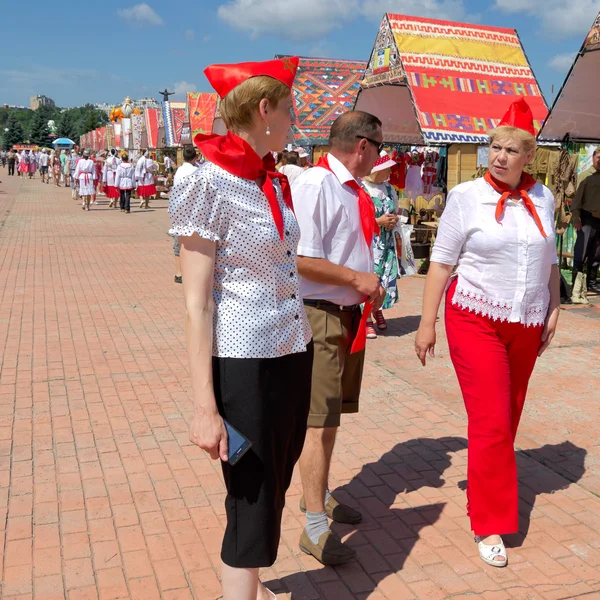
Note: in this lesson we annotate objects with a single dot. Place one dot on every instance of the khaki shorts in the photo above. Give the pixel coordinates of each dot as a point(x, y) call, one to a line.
point(336, 374)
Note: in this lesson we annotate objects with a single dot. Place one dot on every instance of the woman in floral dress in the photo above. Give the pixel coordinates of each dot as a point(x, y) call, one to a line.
point(385, 199)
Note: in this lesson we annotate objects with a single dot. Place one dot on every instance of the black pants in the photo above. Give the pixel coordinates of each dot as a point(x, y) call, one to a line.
point(587, 243)
point(266, 400)
point(11, 167)
point(125, 200)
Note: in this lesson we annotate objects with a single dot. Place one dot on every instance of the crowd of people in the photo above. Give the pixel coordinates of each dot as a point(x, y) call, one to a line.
point(90, 173)
point(284, 272)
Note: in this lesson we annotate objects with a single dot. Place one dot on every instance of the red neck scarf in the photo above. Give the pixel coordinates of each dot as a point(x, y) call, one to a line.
point(370, 228)
point(365, 204)
point(527, 182)
point(236, 156)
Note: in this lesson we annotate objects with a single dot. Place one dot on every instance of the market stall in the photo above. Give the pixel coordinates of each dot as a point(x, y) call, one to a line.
point(324, 89)
point(440, 83)
point(574, 123)
point(438, 88)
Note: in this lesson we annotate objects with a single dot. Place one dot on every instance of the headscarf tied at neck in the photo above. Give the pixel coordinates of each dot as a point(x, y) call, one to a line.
point(236, 156)
point(527, 182)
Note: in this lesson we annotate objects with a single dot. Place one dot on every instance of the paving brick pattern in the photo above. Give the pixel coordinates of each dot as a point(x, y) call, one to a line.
point(102, 495)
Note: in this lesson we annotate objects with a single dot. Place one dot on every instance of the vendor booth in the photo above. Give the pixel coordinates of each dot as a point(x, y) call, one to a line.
point(324, 89)
point(438, 88)
point(439, 83)
point(574, 123)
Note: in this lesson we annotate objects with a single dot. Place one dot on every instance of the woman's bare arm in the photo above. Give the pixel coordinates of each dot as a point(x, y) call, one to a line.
point(197, 267)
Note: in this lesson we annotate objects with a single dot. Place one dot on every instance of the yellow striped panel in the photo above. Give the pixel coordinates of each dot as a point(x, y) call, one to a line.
point(458, 48)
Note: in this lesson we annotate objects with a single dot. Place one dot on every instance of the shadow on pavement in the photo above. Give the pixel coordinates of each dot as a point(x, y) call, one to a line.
point(400, 326)
point(392, 528)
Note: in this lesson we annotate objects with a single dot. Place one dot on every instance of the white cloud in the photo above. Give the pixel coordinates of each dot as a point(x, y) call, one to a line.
point(452, 10)
point(562, 62)
point(181, 88)
point(140, 15)
point(207, 38)
point(559, 18)
point(298, 19)
point(190, 34)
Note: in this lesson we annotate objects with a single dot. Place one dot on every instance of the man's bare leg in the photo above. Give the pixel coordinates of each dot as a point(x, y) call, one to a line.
point(314, 465)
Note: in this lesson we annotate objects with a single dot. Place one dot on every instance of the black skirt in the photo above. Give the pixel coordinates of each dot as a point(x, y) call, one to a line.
point(267, 400)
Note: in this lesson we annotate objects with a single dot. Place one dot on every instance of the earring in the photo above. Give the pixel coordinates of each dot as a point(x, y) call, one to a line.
point(268, 132)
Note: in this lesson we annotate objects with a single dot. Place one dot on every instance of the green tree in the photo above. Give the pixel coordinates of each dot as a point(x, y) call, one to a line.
point(39, 128)
point(66, 125)
point(15, 133)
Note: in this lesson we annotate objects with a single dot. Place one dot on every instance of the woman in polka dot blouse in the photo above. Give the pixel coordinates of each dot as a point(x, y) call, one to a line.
point(249, 342)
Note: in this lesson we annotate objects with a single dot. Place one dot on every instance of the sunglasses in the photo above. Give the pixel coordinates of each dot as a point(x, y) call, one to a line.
point(377, 145)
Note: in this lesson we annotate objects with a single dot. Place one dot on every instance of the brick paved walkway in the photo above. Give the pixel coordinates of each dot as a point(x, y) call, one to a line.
point(103, 496)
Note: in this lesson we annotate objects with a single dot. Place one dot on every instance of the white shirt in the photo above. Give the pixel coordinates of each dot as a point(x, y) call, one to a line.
point(330, 225)
point(144, 171)
point(183, 171)
point(168, 162)
point(503, 269)
point(43, 159)
point(85, 169)
point(292, 172)
point(125, 176)
point(258, 307)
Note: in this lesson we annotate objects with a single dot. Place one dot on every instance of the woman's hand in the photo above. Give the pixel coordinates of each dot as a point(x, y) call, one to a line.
point(208, 432)
point(549, 329)
point(425, 343)
point(387, 221)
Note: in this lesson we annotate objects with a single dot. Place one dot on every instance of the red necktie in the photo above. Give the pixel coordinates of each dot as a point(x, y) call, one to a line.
point(370, 228)
point(527, 182)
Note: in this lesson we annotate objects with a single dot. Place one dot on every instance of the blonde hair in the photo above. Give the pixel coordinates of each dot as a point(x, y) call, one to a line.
point(514, 133)
point(238, 108)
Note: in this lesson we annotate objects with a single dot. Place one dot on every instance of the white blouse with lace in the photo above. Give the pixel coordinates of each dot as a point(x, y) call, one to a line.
point(503, 268)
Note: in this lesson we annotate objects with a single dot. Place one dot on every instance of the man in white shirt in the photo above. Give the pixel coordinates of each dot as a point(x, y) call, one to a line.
point(292, 170)
point(190, 156)
point(168, 164)
point(336, 266)
point(44, 161)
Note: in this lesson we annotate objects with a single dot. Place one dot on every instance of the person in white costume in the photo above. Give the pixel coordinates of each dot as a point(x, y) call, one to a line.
point(85, 174)
point(108, 177)
point(144, 175)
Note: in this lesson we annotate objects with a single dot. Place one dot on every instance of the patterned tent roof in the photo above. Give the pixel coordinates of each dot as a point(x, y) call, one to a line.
point(461, 77)
point(323, 90)
point(201, 108)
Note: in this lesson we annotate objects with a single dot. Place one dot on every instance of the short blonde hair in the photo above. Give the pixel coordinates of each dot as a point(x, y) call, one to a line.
point(514, 133)
point(239, 107)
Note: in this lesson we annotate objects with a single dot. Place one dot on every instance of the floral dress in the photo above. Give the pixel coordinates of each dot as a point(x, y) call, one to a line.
point(384, 245)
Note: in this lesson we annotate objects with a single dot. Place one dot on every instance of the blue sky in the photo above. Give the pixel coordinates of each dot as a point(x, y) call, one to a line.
point(100, 52)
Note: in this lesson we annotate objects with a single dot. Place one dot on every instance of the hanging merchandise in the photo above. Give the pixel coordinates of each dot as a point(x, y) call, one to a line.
point(404, 251)
point(429, 173)
point(441, 176)
point(414, 182)
point(398, 175)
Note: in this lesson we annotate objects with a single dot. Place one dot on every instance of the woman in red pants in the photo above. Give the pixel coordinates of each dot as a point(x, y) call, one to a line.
point(502, 308)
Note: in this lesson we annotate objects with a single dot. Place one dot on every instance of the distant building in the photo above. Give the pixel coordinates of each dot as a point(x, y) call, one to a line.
point(36, 101)
point(146, 103)
point(15, 107)
point(103, 106)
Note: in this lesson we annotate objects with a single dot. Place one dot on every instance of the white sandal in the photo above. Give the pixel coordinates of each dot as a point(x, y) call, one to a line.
point(488, 553)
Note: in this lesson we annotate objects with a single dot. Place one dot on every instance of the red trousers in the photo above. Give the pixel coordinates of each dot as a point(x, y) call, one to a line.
point(493, 362)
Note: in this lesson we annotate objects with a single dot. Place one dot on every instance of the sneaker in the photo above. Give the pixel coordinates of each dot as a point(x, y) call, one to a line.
point(380, 320)
point(178, 279)
point(371, 333)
